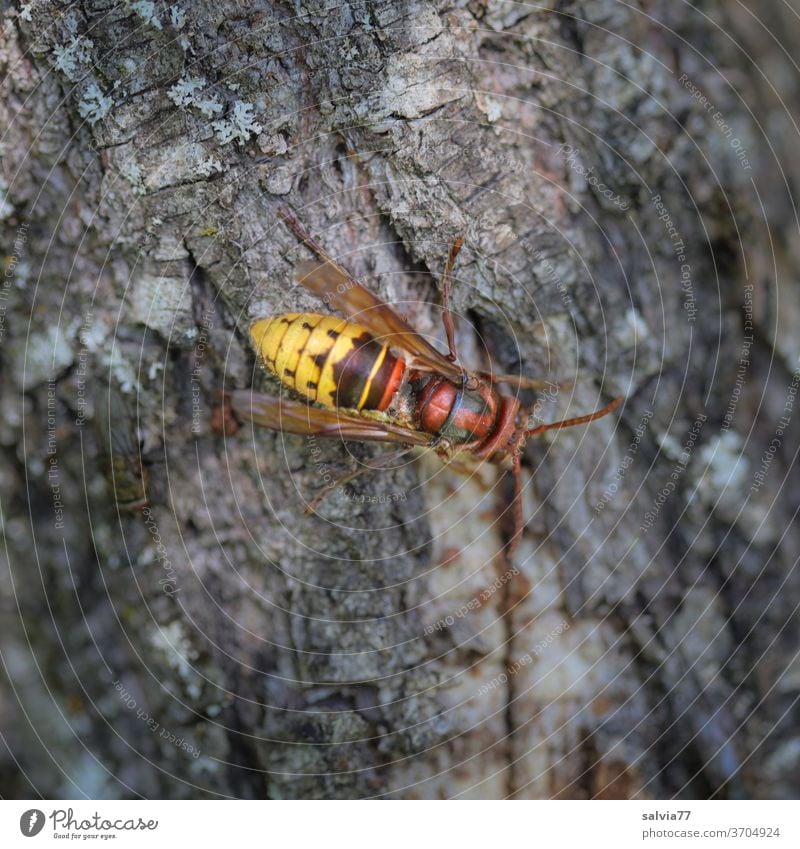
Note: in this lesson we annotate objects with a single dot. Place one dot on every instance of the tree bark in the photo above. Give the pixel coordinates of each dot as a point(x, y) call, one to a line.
point(621, 175)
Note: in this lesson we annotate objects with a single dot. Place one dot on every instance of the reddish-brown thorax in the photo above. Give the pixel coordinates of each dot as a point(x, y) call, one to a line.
point(478, 416)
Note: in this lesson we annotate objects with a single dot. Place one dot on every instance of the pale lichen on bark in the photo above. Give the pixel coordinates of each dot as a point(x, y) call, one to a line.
point(148, 161)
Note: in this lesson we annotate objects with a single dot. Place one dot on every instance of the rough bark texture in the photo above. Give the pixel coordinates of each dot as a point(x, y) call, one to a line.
point(224, 644)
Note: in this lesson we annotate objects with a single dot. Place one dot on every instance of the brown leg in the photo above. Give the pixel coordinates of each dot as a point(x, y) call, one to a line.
point(516, 507)
point(223, 420)
point(305, 237)
point(447, 316)
point(380, 463)
point(578, 420)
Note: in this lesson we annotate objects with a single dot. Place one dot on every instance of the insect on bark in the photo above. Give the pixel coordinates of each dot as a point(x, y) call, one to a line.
point(371, 377)
point(126, 471)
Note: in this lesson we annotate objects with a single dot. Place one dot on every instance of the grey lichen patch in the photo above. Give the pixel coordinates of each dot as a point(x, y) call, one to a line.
point(123, 370)
point(191, 91)
point(43, 357)
point(174, 649)
point(431, 169)
point(6, 207)
point(207, 166)
point(164, 304)
point(94, 103)
point(147, 12)
point(177, 16)
point(703, 642)
point(722, 474)
point(132, 172)
point(239, 126)
point(72, 58)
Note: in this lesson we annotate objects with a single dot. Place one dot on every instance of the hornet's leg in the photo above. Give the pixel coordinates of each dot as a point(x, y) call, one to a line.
point(381, 463)
point(447, 316)
point(578, 420)
point(516, 508)
point(305, 237)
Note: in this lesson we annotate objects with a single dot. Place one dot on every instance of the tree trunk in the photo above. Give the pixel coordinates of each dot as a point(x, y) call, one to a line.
point(619, 175)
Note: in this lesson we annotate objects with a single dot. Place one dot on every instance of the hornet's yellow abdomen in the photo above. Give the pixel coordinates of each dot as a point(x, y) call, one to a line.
point(334, 362)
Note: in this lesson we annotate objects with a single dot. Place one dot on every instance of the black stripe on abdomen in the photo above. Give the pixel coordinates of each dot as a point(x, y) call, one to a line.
point(352, 372)
point(378, 385)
